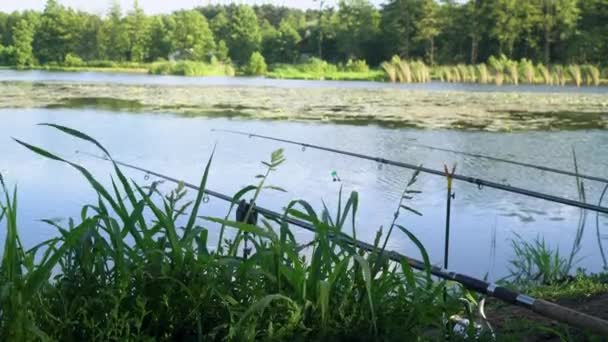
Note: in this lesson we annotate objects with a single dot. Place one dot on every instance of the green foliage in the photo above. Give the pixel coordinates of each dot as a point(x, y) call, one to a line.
point(191, 68)
point(191, 37)
point(536, 263)
point(256, 65)
point(140, 266)
point(443, 33)
point(245, 37)
point(72, 60)
point(24, 36)
point(358, 65)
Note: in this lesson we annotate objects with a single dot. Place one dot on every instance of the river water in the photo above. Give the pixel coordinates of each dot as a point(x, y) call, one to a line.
point(180, 146)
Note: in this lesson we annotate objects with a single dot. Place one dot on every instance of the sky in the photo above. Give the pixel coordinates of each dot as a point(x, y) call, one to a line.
point(149, 6)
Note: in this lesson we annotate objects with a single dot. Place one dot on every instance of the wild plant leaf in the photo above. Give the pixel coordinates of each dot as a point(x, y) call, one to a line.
point(199, 195)
point(77, 134)
point(244, 227)
point(411, 210)
point(423, 252)
point(367, 276)
point(276, 188)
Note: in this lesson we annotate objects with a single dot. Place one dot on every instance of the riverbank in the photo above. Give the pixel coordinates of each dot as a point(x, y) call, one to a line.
point(275, 293)
point(393, 107)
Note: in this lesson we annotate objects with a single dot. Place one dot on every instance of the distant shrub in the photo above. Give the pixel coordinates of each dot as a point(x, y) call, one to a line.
point(358, 65)
point(256, 65)
point(6, 55)
point(73, 60)
point(190, 68)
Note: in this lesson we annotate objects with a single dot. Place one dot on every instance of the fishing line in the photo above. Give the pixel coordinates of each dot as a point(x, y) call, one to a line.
point(435, 148)
point(473, 180)
point(539, 306)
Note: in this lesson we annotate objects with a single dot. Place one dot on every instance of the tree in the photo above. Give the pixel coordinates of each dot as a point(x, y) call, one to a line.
point(511, 18)
point(159, 39)
point(191, 37)
point(558, 16)
point(57, 34)
point(428, 26)
point(113, 37)
point(398, 26)
point(137, 27)
point(280, 45)
point(357, 26)
point(23, 37)
point(245, 37)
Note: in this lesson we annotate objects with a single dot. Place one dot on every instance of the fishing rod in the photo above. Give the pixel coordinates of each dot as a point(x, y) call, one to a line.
point(540, 306)
point(475, 155)
point(477, 181)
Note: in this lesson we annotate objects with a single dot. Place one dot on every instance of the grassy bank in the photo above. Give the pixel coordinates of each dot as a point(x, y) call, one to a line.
point(140, 264)
point(118, 273)
point(498, 71)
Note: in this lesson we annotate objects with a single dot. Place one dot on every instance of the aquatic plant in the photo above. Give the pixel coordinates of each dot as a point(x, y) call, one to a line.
point(463, 72)
point(391, 71)
point(559, 76)
point(575, 74)
point(591, 74)
point(544, 72)
point(139, 266)
point(404, 71)
point(527, 70)
point(498, 67)
point(420, 72)
point(512, 69)
point(482, 71)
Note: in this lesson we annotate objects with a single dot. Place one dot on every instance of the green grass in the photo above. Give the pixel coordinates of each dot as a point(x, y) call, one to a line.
point(292, 72)
point(139, 264)
point(316, 69)
point(190, 68)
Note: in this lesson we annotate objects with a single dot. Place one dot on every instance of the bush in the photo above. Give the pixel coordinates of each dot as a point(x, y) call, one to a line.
point(358, 65)
point(7, 55)
point(256, 65)
point(73, 60)
point(190, 68)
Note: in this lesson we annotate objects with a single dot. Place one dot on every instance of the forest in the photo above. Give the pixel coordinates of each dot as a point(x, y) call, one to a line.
point(445, 32)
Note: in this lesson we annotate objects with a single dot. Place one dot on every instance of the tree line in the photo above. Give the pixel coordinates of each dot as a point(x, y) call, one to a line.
point(444, 32)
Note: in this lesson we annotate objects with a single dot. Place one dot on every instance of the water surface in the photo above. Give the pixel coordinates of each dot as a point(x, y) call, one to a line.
point(180, 147)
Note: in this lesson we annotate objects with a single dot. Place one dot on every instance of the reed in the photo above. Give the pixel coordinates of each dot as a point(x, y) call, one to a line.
point(559, 75)
point(472, 73)
point(513, 71)
point(390, 70)
point(575, 74)
point(482, 71)
point(403, 67)
point(546, 75)
point(592, 75)
point(498, 67)
point(463, 71)
point(528, 71)
point(456, 77)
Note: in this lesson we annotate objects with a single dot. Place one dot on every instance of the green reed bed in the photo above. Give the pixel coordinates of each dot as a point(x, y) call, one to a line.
point(140, 265)
point(498, 70)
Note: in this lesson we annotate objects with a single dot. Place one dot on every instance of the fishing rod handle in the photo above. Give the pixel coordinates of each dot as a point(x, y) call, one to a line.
point(575, 318)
